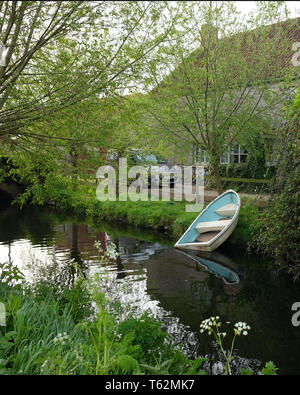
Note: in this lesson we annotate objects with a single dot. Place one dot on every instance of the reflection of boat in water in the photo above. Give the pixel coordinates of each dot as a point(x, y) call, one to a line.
point(217, 264)
point(187, 288)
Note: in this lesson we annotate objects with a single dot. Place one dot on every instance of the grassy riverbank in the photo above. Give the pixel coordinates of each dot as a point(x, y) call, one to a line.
point(168, 217)
point(75, 330)
point(78, 331)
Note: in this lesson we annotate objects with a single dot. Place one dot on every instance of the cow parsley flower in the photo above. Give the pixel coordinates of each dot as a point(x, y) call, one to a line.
point(211, 326)
point(61, 338)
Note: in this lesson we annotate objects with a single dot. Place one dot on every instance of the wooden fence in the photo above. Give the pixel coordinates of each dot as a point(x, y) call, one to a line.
point(250, 180)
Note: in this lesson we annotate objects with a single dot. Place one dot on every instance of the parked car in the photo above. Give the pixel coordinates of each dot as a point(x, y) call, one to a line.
point(159, 169)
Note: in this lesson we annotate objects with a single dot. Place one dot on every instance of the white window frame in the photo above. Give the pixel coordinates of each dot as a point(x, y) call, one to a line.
point(237, 154)
point(224, 161)
point(201, 155)
point(227, 157)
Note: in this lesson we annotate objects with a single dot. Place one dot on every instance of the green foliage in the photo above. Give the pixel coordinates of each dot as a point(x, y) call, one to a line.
point(276, 231)
point(48, 67)
point(250, 170)
point(67, 94)
point(147, 334)
point(154, 353)
point(76, 298)
point(269, 369)
point(52, 330)
point(246, 372)
point(212, 95)
point(56, 331)
point(169, 217)
point(10, 274)
point(247, 221)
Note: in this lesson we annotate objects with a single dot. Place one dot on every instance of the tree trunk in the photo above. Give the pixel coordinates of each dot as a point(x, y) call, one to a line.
point(216, 174)
point(74, 159)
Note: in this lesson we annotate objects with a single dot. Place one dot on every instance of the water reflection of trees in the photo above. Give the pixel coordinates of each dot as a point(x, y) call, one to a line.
point(186, 288)
point(24, 224)
point(66, 259)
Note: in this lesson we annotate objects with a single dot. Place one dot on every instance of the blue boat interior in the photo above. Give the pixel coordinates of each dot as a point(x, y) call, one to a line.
point(209, 215)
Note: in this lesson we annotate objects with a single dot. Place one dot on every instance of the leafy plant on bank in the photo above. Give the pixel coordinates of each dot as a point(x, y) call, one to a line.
point(212, 326)
point(72, 331)
point(276, 232)
point(54, 330)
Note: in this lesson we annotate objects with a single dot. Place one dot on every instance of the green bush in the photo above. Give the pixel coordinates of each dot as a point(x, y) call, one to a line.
point(248, 170)
point(276, 230)
point(147, 334)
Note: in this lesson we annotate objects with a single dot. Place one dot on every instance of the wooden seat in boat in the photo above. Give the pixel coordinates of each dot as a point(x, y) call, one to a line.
point(228, 209)
point(212, 226)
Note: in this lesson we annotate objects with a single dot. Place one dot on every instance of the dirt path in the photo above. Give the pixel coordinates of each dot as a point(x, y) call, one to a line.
point(257, 199)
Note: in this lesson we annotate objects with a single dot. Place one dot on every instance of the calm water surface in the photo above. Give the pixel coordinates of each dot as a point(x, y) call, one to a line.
point(178, 288)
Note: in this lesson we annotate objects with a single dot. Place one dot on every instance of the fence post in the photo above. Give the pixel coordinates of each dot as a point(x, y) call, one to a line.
point(2, 314)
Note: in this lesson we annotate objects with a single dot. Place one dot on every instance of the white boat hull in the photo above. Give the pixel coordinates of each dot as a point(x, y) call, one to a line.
point(210, 247)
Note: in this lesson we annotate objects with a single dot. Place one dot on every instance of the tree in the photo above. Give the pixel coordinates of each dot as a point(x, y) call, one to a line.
point(61, 52)
point(226, 79)
point(78, 139)
point(276, 233)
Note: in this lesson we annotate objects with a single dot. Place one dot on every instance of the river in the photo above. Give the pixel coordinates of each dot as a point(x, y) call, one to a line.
point(177, 288)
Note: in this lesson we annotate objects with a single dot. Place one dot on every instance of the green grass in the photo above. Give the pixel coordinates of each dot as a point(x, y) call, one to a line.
point(52, 331)
point(168, 217)
point(57, 332)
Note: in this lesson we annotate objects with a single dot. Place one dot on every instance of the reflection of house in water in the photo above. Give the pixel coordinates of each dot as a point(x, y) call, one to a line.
point(80, 239)
point(177, 281)
point(78, 243)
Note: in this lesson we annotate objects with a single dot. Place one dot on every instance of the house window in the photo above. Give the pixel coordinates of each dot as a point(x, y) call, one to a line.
point(238, 154)
point(243, 155)
point(234, 154)
point(225, 158)
point(200, 156)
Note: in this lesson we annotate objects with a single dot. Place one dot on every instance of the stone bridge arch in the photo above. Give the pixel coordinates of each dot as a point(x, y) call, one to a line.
point(9, 191)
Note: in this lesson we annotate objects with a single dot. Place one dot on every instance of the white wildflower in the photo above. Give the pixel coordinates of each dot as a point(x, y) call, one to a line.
point(61, 339)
